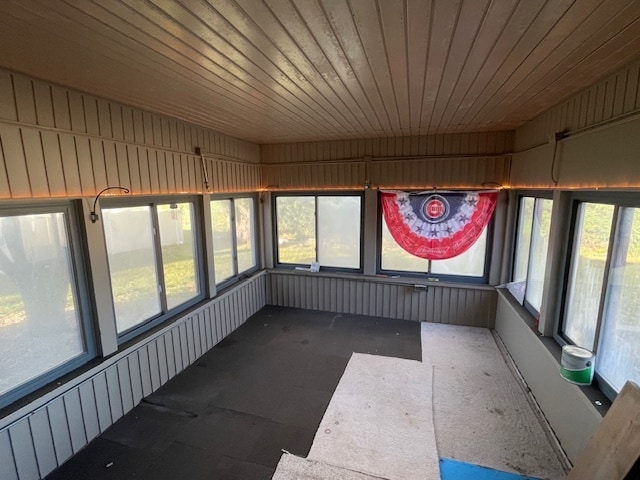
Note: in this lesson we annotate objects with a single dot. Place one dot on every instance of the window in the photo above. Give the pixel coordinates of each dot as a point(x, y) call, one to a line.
point(152, 252)
point(233, 222)
point(531, 244)
point(601, 308)
point(44, 319)
point(322, 228)
point(587, 273)
point(469, 266)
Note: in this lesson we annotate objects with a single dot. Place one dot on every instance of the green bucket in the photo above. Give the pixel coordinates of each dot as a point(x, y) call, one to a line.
point(576, 365)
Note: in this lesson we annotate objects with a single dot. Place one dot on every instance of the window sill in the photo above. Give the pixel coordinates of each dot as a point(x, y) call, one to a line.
point(382, 278)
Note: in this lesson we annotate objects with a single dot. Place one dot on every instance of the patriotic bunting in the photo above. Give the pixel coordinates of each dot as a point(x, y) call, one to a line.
point(437, 225)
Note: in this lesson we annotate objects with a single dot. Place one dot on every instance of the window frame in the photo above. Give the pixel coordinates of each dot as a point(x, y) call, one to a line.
point(82, 285)
point(167, 313)
point(536, 195)
point(618, 200)
point(237, 276)
point(315, 195)
point(481, 280)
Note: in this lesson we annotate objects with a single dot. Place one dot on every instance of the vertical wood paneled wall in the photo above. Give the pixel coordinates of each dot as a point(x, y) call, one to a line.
point(451, 304)
point(462, 172)
point(35, 443)
point(614, 97)
point(56, 142)
point(455, 160)
point(481, 143)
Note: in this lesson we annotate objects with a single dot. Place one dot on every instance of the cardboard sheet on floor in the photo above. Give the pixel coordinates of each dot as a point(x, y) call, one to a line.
point(379, 421)
point(481, 413)
point(291, 467)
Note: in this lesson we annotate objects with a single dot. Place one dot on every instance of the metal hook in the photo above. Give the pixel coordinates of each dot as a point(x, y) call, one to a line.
point(93, 215)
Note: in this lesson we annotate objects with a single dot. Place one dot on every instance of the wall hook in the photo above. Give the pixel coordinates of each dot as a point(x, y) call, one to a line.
point(93, 215)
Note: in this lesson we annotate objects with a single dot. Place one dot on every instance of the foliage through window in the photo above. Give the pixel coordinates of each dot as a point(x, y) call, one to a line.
point(234, 237)
point(43, 326)
point(322, 228)
point(602, 305)
point(531, 244)
point(152, 254)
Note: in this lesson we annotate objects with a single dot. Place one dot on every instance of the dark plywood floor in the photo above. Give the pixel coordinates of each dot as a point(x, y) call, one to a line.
point(262, 389)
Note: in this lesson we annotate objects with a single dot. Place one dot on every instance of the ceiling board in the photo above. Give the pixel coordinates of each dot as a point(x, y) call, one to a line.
point(275, 71)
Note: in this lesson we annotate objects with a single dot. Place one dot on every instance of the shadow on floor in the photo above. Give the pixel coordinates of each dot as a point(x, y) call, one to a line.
point(262, 389)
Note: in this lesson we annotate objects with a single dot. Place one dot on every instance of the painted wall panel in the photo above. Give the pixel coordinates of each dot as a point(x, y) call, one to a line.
point(184, 347)
point(611, 98)
point(15, 162)
point(162, 360)
point(481, 144)
point(171, 364)
point(452, 304)
point(23, 450)
point(53, 162)
point(124, 384)
point(7, 97)
point(89, 410)
point(605, 157)
point(60, 430)
point(6, 456)
point(43, 441)
point(25, 102)
point(75, 423)
point(136, 381)
point(70, 165)
point(114, 393)
point(145, 373)
point(5, 190)
point(34, 113)
point(44, 105)
point(463, 172)
point(76, 109)
point(154, 367)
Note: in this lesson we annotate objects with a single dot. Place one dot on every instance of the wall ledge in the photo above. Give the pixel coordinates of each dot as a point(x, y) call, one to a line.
point(386, 279)
point(572, 415)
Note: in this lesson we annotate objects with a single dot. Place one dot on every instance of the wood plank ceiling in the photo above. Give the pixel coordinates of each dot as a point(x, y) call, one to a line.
point(273, 71)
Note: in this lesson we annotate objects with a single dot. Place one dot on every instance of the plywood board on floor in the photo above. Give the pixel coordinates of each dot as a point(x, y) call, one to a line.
point(481, 413)
point(379, 420)
point(292, 467)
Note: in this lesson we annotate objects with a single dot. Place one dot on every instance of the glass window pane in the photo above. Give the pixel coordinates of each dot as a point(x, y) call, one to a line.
point(222, 240)
point(395, 258)
point(245, 235)
point(523, 244)
point(132, 264)
point(618, 358)
point(470, 263)
point(40, 326)
point(538, 254)
point(178, 253)
point(296, 229)
point(339, 231)
point(591, 244)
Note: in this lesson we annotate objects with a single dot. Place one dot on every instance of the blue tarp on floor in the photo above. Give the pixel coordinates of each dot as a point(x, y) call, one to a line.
point(455, 470)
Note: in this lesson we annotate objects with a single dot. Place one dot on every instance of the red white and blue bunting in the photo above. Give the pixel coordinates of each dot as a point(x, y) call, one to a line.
point(437, 225)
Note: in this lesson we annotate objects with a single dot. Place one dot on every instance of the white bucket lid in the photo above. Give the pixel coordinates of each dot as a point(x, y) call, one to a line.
point(577, 351)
